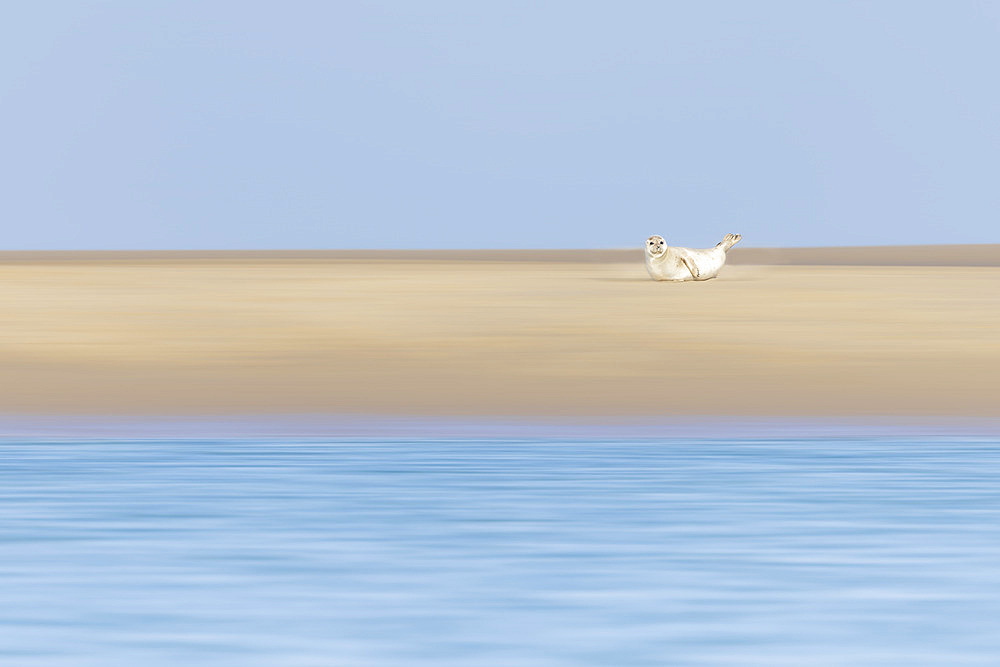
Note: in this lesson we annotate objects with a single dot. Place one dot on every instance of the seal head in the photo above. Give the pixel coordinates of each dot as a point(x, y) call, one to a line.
point(655, 246)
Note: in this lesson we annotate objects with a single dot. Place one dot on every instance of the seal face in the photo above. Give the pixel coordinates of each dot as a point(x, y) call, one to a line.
point(655, 245)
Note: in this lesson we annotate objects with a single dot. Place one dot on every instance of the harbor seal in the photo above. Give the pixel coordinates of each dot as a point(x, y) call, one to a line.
point(678, 264)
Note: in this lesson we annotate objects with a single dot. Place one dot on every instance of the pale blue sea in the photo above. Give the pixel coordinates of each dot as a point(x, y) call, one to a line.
point(688, 551)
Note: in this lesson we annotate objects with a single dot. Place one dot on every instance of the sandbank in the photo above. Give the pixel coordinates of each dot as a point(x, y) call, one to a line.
point(499, 334)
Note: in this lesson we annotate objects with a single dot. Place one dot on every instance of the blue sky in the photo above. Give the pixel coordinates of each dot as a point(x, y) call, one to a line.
point(497, 124)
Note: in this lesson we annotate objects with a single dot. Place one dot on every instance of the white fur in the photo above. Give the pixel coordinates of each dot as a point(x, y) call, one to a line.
point(678, 264)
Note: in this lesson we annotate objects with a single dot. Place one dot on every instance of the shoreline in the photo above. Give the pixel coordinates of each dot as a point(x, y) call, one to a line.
point(348, 427)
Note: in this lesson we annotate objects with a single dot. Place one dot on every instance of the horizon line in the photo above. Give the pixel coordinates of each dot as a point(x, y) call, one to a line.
point(479, 249)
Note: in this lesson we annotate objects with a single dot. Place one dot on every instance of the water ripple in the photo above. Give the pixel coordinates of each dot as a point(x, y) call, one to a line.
point(825, 551)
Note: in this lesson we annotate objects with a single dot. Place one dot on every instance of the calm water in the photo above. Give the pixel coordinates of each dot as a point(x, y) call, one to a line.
point(827, 551)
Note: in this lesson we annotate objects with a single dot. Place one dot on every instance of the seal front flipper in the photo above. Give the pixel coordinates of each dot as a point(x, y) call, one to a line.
point(692, 268)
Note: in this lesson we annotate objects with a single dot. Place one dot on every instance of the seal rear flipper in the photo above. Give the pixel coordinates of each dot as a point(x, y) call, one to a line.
point(729, 241)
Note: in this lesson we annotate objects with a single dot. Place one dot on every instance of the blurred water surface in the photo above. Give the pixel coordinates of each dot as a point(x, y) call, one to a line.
point(824, 551)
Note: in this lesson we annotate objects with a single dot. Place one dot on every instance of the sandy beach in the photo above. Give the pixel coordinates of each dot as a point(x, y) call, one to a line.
point(496, 335)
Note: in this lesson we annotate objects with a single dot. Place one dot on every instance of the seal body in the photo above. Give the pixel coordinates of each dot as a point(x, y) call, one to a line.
point(664, 262)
